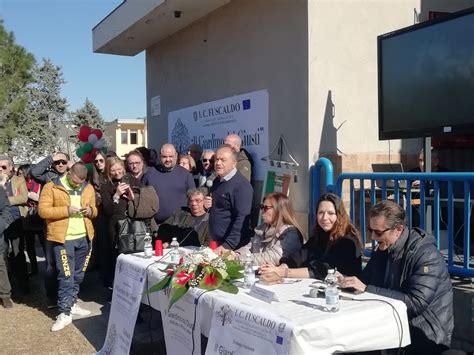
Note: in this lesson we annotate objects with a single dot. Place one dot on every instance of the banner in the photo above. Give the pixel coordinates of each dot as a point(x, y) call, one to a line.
point(246, 329)
point(208, 124)
point(181, 323)
point(128, 289)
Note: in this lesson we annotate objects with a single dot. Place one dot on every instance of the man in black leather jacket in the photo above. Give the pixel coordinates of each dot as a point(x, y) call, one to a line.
point(407, 266)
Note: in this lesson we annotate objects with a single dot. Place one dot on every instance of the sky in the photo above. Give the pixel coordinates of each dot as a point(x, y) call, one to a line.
point(61, 30)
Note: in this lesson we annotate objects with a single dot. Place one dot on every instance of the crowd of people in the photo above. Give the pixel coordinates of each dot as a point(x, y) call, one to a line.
point(203, 196)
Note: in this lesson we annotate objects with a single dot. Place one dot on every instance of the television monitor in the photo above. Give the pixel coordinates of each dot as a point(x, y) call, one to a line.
point(426, 78)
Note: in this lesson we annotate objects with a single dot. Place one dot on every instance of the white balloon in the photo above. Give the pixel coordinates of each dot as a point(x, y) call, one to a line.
point(99, 144)
point(92, 139)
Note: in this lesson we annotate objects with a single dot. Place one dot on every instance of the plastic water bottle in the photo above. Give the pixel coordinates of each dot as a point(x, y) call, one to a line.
point(249, 273)
point(147, 247)
point(332, 292)
point(174, 253)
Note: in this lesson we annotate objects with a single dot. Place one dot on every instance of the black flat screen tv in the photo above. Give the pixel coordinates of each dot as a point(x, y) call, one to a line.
point(426, 78)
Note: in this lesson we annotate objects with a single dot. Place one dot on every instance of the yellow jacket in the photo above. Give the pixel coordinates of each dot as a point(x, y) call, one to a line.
point(54, 206)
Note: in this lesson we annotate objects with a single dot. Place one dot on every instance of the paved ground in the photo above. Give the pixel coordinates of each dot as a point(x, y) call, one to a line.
point(25, 328)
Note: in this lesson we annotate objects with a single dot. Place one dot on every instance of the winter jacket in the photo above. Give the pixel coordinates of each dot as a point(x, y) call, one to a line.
point(5, 218)
point(244, 164)
point(269, 245)
point(54, 206)
point(20, 194)
point(415, 272)
point(182, 224)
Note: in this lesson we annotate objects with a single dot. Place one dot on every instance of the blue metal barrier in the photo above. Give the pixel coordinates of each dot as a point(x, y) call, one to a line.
point(448, 195)
point(328, 184)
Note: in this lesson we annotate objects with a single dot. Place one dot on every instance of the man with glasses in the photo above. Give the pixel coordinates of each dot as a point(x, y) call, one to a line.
point(208, 173)
point(50, 168)
point(17, 193)
point(407, 266)
point(68, 206)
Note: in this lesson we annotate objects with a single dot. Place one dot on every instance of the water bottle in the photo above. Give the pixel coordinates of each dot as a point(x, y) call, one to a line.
point(332, 292)
point(147, 247)
point(174, 253)
point(249, 273)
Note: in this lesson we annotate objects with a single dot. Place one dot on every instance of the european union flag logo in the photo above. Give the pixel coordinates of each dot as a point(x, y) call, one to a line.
point(246, 104)
point(279, 340)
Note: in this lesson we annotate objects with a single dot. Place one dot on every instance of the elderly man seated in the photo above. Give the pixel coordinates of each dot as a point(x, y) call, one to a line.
point(188, 224)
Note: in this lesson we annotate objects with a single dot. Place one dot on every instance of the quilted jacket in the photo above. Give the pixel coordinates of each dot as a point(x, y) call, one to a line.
point(54, 205)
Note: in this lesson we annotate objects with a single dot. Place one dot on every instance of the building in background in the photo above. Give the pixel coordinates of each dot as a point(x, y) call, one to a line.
point(124, 135)
point(317, 59)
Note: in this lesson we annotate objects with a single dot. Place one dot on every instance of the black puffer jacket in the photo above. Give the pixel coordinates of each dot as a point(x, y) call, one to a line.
point(417, 275)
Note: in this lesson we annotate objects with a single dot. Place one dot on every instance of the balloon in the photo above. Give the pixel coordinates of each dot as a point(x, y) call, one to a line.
point(87, 147)
point(104, 150)
point(98, 133)
point(84, 132)
point(92, 138)
point(99, 144)
point(87, 157)
point(94, 152)
point(89, 167)
point(79, 152)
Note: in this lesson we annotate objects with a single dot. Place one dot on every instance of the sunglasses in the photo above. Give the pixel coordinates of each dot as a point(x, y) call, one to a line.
point(377, 232)
point(265, 208)
point(4, 167)
point(206, 160)
point(58, 162)
point(99, 161)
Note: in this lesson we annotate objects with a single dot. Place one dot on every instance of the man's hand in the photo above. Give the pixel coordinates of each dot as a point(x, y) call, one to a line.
point(74, 210)
point(352, 282)
point(87, 211)
point(280, 270)
point(207, 202)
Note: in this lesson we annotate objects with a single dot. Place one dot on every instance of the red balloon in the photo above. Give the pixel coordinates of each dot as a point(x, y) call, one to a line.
point(98, 133)
point(83, 134)
point(87, 157)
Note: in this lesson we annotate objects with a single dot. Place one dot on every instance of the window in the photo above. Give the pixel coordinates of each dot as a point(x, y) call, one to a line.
point(124, 136)
point(133, 136)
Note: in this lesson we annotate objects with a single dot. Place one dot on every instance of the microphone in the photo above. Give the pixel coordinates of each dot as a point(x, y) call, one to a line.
point(209, 184)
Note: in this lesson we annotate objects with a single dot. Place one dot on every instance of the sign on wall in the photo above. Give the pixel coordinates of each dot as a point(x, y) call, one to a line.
point(208, 124)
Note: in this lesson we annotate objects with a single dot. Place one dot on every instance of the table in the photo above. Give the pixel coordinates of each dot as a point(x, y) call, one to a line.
point(364, 322)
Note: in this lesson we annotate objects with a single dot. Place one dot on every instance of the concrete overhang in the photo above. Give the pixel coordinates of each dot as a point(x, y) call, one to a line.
point(138, 24)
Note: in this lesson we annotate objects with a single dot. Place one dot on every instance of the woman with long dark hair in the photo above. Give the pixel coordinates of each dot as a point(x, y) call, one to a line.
point(335, 243)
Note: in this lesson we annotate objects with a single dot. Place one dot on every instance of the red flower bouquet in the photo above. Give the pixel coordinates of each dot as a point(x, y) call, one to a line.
point(202, 268)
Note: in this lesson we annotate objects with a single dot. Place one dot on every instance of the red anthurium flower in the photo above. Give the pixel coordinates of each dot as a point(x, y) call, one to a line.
point(211, 280)
point(182, 277)
point(170, 272)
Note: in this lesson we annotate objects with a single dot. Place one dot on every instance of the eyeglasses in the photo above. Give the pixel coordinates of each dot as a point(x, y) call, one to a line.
point(377, 232)
point(134, 163)
point(62, 162)
point(265, 208)
point(206, 160)
point(99, 161)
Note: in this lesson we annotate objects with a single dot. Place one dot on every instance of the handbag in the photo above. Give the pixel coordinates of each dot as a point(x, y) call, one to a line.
point(131, 235)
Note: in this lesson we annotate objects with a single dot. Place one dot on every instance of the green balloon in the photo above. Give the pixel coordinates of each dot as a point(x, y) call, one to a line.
point(89, 167)
point(104, 150)
point(80, 152)
point(87, 147)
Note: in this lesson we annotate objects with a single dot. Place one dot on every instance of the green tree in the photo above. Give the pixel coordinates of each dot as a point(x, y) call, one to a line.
point(15, 73)
point(41, 128)
point(88, 115)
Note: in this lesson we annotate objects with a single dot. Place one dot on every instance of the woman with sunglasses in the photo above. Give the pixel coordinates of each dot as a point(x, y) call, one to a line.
point(335, 244)
point(279, 236)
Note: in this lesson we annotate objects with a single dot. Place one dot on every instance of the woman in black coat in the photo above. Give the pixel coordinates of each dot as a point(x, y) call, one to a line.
point(335, 244)
point(115, 194)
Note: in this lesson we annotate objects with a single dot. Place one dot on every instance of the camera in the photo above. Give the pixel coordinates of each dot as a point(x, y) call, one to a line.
point(177, 14)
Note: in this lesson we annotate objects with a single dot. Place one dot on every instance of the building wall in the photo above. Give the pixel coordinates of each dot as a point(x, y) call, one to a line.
point(241, 47)
point(114, 129)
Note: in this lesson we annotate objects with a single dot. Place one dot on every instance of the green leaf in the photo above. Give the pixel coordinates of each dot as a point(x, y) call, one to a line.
point(229, 288)
point(180, 292)
point(223, 273)
point(234, 269)
point(165, 282)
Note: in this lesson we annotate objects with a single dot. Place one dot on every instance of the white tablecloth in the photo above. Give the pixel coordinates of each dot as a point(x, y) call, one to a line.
point(374, 323)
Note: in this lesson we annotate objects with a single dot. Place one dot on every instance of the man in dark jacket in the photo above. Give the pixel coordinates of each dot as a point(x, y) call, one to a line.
point(407, 266)
point(5, 220)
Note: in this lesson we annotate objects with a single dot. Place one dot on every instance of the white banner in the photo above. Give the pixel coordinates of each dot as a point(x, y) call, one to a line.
point(245, 329)
point(128, 289)
point(181, 323)
point(207, 124)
